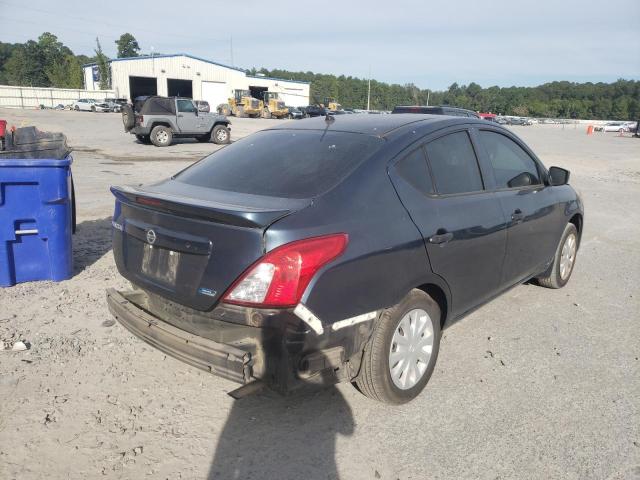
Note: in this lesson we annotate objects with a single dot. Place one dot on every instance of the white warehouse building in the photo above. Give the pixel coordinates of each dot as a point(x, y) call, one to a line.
point(188, 76)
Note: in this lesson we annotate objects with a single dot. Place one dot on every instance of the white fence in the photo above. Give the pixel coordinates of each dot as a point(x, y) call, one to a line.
point(33, 97)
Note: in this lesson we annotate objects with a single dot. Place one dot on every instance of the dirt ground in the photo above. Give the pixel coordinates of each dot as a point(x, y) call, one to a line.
point(538, 384)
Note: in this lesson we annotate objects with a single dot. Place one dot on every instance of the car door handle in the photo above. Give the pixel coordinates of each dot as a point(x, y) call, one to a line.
point(517, 215)
point(440, 238)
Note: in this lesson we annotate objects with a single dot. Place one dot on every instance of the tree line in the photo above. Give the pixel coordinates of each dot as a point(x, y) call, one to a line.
point(618, 100)
point(47, 62)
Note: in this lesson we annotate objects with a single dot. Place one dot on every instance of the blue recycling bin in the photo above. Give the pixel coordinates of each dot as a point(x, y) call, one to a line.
point(36, 220)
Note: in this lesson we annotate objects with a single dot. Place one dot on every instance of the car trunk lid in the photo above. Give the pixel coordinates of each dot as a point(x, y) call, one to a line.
point(190, 243)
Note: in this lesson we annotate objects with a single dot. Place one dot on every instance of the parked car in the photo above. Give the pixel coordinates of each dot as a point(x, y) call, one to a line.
point(159, 120)
point(519, 121)
point(295, 113)
point(383, 231)
point(203, 106)
point(619, 127)
point(115, 104)
point(436, 110)
point(316, 111)
point(90, 105)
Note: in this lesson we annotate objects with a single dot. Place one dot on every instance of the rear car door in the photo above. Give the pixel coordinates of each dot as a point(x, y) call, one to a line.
point(528, 205)
point(188, 118)
point(463, 226)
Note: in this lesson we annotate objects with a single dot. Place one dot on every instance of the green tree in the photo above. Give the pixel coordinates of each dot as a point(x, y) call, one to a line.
point(26, 66)
point(127, 46)
point(103, 67)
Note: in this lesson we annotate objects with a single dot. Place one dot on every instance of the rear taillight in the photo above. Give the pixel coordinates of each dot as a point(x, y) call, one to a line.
point(279, 279)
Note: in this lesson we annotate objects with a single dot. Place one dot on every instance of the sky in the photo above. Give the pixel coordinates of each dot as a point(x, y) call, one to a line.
point(429, 43)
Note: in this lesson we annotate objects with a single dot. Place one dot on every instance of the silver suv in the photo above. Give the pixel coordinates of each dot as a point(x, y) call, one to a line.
point(159, 120)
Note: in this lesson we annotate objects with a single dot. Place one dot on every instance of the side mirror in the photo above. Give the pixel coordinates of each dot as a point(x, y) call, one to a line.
point(558, 176)
point(521, 180)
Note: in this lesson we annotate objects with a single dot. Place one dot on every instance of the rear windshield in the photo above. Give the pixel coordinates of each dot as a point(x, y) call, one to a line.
point(283, 163)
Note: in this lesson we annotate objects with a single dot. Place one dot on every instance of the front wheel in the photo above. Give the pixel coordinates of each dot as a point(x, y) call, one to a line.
point(161, 136)
point(220, 135)
point(560, 270)
point(401, 355)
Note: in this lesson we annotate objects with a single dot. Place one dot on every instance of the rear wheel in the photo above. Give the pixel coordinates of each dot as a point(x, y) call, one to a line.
point(76, 108)
point(401, 355)
point(220, 135)
point(93, 109)
point(560, 270)
point(161, 136)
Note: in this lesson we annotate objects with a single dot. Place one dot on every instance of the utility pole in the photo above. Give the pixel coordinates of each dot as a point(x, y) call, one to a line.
point(369, 91)
point(428, 92)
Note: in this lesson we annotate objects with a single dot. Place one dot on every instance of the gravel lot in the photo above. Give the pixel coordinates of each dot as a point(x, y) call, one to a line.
point(538, 384)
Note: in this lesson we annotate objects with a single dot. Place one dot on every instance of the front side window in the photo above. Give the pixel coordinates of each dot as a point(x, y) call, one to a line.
point(454, 165)
point(186, 106)
point(511, 164)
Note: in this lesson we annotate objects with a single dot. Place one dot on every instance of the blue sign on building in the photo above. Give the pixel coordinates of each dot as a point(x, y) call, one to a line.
point(96, 73)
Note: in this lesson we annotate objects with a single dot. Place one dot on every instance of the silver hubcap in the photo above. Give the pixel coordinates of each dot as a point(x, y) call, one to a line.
point(568, 256)
point(162, 136)
point(411, 348)
point(221, 135)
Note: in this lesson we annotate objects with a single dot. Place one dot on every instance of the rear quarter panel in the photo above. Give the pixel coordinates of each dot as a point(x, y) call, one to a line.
point(385, 256)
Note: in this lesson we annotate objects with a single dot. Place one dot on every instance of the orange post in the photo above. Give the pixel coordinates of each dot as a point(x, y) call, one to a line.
point(589, 129)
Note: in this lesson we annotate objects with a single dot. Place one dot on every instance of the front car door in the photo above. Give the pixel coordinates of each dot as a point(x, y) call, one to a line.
point(187, 116)
point(528, 204)
point(463, 226)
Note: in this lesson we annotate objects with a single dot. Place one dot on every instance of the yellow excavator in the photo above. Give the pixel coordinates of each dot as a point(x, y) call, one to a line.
point(242, 104)
point(331, 104)
point(273, 106)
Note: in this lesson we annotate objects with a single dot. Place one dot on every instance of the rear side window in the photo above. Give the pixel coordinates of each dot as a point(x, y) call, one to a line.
point(283, 163)
point(508, 159)
point(454, 164)
point(414, 170)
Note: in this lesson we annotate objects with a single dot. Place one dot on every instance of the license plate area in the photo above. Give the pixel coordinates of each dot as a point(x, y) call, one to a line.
point(160, 264)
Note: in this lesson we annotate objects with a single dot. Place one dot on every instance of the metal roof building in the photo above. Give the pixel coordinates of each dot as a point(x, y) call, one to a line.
point(185, 75)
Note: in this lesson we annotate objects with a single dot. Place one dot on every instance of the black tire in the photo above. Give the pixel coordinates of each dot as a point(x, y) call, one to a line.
point(76, 108)
point(144, 139)
point(161, 136)
point(374, 379)
point(128, 117)
point(93, 109)
point(221, 135)
point(553, 277)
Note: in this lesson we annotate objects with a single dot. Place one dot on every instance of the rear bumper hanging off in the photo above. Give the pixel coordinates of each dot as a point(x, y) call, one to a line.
point(224, 360)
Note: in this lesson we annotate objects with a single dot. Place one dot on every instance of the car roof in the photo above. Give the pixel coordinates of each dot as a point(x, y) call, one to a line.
point(376, 125)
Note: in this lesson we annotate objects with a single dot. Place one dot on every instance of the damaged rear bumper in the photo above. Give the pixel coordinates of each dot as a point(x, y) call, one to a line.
point(218, 358)
point(283, 348)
